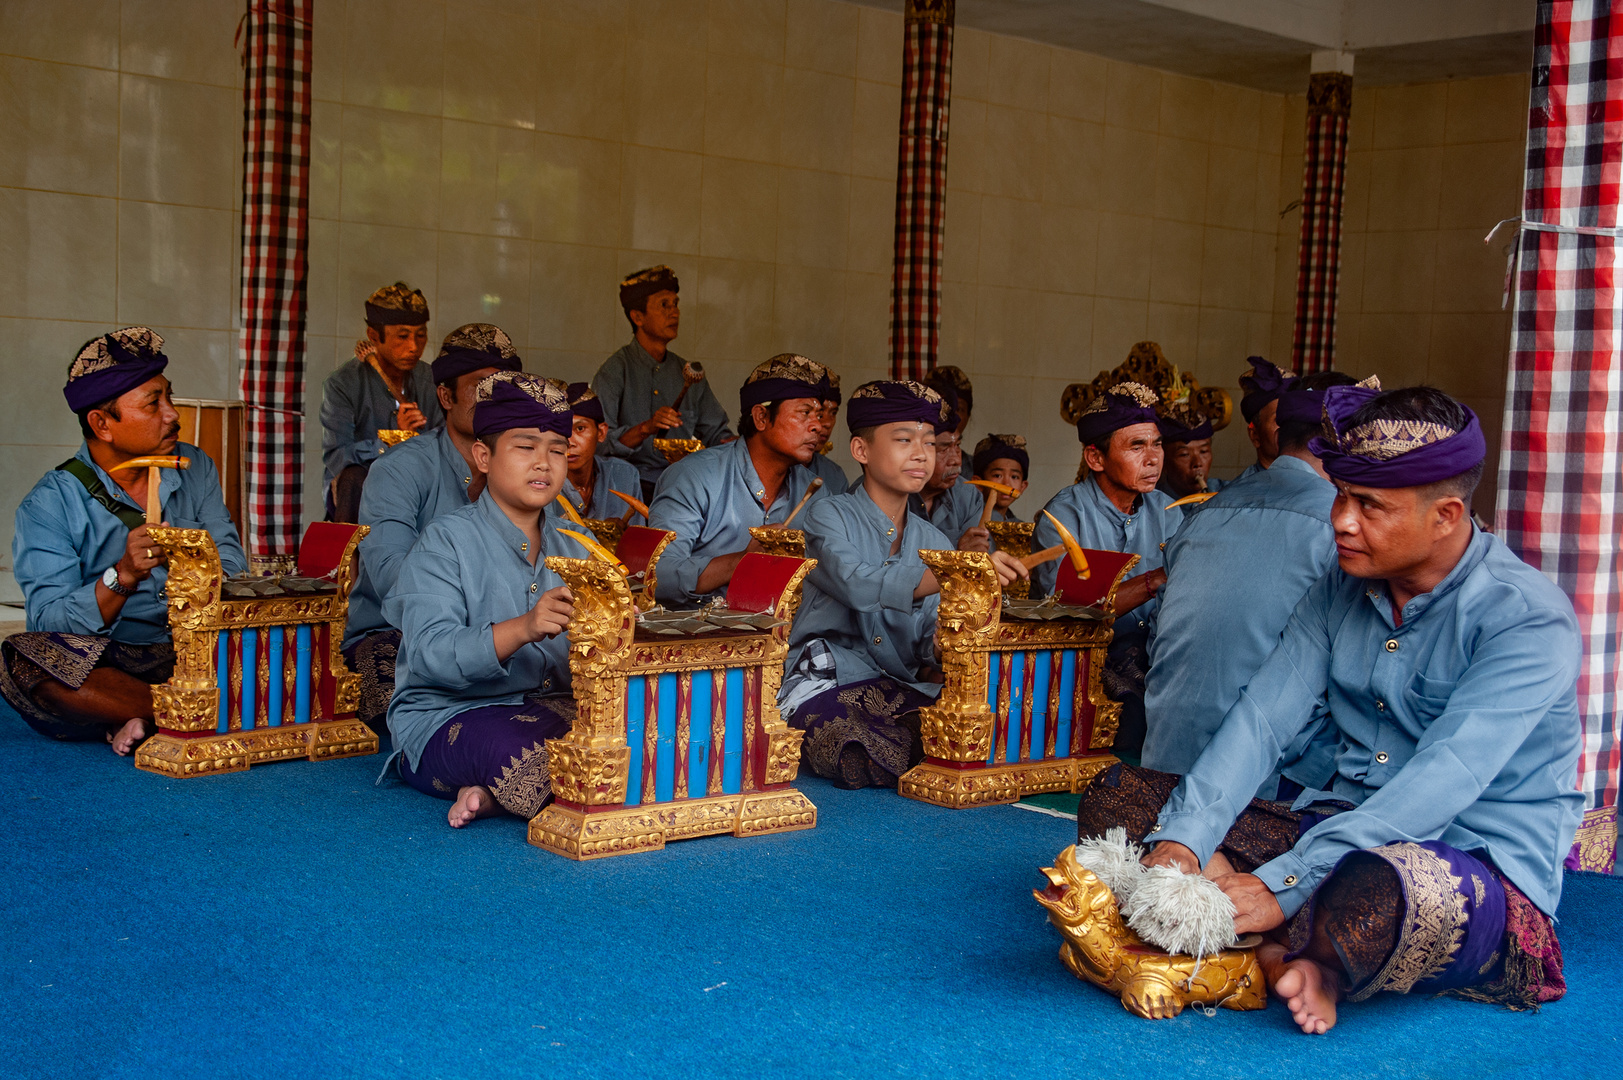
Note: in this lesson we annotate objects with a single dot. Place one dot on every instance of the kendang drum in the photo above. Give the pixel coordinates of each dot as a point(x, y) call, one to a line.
point(215, 427)
point(258, 673)
point(677, 732)
point(1022, 710)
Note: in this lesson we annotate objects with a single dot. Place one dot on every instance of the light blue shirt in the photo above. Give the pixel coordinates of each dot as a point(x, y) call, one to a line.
point(631, 385)
point(834, 478)
point(412, 484)
point(859, 599)
point(356, 404)
point(1093, 519)
point(710, 500)
point(1235, 572)
point(469, 571)
point(65, 541)
point(1459, 725)
point(611, 474)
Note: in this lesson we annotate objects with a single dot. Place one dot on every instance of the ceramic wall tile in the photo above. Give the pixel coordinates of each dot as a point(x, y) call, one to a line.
point(574, 298)
point(1077, 85)
point(1180, 179)
point(1186, 107)
point(490, 71)
point(1487, 110)
point(817, 120)
point(321, 286)
point(484, 279)
point(391, 170)
point(77, 32)
point(1014, 152)
point(580, 81)
point(871, 242)
point(971, 65)
point(1074, 165)
point(1129, 171)
point(488, 177)
point(1408, 116)
point(394, 54)
point(1236, 117)
point(665, 95)
point(742, 109)
point(1405, 188)
point(180, 39)
point(873, 134)
point(59, 127)
point(814, 214)
point(1126, 245)
point(177, 265)
point(326, 159)
point(808, 314)
point(678, 23)
point(372, 256)
point(598, 14)
point(1132, 96)
point(660, 199)
point(1017, 73)
point(1175, 266)
point(1117, 326)
point(1064, 345)
point(1399, 271)
point(1176, 328)
point(1480, 183)
point(733, 307)
point(879, 46)
point(179, 142)
point(966, 147)
point(1225, 275)
point(46, 347)
point(821, 35)
point(739, 210)
point(1231, 188)
point(867, 326)
point(751, 28)
point(327, 53)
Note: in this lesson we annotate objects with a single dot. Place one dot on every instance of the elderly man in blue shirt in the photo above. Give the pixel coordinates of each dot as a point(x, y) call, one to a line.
point(483, 675)
point(712, 498)
point(595, 476)
point(641, 383)
point(1431, 860)
point(1215, 625)
point(385, 387)
point(414, 483)
point(92, 576)
point(1116, 507)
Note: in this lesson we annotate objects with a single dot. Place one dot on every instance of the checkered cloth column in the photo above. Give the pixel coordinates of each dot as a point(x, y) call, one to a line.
point(275, 203)
point(921, 188)
point(1318, 259)
point(1559, 460)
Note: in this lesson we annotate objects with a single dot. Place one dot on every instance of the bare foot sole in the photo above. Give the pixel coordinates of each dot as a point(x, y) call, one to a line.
point(1310, 992)
point(128, 737)
point(472, 803)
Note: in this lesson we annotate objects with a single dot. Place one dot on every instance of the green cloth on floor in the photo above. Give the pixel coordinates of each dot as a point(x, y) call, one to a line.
point(1063, 801)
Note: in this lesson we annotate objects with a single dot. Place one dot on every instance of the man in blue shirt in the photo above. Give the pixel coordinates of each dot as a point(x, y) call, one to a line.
point(594, 476)
point(483, 675)
point(1116, 507)
point(1259, 404)
point(640, 384)
point(862, 657)
point(712, 498)
point(411, 485)
point(1431, 860)
point(1186, 445)
point(1235, 572)
point(91, 574)
point(948, 500)
point(383, 388)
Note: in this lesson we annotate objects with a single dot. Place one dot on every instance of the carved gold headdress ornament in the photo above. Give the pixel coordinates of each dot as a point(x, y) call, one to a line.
point(1177, 393)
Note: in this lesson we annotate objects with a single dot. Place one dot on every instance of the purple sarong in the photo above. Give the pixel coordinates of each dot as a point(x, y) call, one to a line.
point(500, 747)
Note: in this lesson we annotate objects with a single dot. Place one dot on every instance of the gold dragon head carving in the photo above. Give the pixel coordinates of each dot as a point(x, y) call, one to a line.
point(605, 620)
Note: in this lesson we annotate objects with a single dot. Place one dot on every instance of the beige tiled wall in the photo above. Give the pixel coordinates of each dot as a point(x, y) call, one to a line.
point(514, 159)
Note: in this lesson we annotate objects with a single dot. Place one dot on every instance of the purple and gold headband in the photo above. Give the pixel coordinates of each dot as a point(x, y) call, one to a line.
point(888, 401)
point(1119, 406)
point(397, 305)
point(1182, 424)
point(514, 399)
point(636, 289)
point(113, 364)
point(993, 447)
point(1391, 453)
point(1265, 383)
point(584, 402)
point(472, 347)
point(786, 376)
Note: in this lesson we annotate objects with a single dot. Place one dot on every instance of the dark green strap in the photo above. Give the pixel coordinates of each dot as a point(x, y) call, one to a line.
point(132, 518)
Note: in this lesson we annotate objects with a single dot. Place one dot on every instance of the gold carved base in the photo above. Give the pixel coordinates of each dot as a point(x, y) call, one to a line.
point(994, 785)
point(576, 834)
point(234, 751)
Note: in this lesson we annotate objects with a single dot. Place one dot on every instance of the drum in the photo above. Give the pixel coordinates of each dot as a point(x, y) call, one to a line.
point(216, 427)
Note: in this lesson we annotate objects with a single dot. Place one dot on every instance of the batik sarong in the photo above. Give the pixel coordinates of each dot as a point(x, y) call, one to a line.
point(373, 659)
point(1423, 917)
point(1122, 677)
point(28, 659)
point(500, 747)
point(881, 715)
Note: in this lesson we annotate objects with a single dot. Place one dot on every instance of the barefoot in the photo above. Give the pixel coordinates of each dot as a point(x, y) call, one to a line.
point(1310, 992)
point(128, 737)
point(472, 803)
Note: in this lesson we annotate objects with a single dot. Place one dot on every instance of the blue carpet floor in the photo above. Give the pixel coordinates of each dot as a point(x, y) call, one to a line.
point(298, 921)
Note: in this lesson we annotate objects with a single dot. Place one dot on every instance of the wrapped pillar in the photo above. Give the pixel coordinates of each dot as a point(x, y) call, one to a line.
point(1324, 179)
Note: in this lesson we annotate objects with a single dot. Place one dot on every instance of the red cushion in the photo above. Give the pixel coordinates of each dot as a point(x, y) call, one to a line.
point(323, 547)
point(1103, 566)
point(759, 580)
point(637, 546)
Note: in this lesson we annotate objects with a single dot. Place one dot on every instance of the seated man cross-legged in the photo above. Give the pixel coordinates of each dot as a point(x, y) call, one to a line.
point(92, 576)
point(483, 675)
point(1431, 860)
point(862, 657)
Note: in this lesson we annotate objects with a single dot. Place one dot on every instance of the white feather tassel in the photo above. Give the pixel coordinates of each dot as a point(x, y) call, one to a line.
point(1181, 913)
point(1114, 860)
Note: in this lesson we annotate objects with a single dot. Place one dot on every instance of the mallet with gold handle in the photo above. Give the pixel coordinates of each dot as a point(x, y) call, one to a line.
point(153, 464)
point(993, 489)
point(1066, 546)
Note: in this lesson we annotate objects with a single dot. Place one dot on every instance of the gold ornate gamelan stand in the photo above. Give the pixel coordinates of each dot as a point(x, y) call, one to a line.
point(708, 753)
point(1022, 711)
point(220, 711)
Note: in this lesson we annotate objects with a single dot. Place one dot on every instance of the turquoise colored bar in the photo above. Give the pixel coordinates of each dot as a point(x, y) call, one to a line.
point(1044, 662)
point(665, 753)
point(1067, 702)
point(732, 762)
point(701, 706)
point(636, 713)
point(301, 676)
point(222, 678)
point(250, 676)
point(994, 667)
point(1017, 697)
point(275, 637)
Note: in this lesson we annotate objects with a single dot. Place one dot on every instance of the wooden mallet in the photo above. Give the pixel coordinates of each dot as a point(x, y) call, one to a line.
point(153, 464)
point(993, 490)
point(811, 489)
point(1066, 546)
point(570, 511)
point(1197, 497)
point(633, 506)
point(692, 373)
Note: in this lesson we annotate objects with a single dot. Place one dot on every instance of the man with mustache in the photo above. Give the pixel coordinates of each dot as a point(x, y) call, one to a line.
point(92, 576)
point(712, 498)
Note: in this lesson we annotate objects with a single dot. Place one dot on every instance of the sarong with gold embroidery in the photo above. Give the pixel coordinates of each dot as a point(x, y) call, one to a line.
point(373, 659)
point(1424, 917)
point(880, 714)
point(500, 747)
point(28, 659)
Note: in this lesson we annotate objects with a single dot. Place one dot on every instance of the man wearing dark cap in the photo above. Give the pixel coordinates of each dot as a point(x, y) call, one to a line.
point(712, 498)
point(383, 388)
point(91, 575)
point(1116, 507)
point(1186, 443)
point(410, 485)
point(640, 384)
point(594, 476)
point(1235, 572)
point(1431, 859)
point(1259, 405)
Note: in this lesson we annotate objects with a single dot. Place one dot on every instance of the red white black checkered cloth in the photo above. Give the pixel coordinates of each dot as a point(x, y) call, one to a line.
point(1318, 259)
point(1560, 460)
point(275, 205)
point(921, 192)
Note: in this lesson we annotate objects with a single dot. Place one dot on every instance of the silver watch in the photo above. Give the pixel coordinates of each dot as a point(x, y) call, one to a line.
point(109, 578)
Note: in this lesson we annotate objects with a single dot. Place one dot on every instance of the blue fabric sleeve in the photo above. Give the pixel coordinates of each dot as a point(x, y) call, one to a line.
point(47, 563)
point(428, 605)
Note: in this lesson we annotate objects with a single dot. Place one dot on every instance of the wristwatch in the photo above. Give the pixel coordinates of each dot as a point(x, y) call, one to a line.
point(109, 578)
